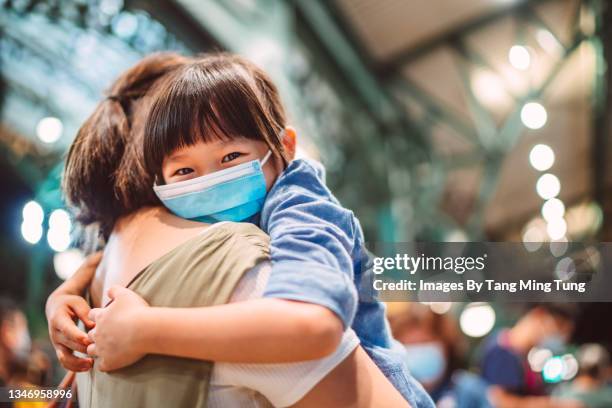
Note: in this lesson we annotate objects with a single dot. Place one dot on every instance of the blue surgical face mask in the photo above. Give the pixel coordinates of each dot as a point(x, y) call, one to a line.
point(426, 361)
point(553, 342)
point(233, 194)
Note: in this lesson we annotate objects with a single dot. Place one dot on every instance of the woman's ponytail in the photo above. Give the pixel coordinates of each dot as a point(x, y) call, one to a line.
point(104, 178)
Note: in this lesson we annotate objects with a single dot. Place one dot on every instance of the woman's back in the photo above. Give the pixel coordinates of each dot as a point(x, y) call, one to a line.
point(136, 242)
point(191, 268)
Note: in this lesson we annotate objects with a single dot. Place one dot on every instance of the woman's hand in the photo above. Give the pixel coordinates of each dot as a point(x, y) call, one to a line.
point(64, 308)
point(115, 337)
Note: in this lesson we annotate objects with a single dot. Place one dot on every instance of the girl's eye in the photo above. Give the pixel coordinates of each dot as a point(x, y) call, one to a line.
point(230, 157)
point(183, 172)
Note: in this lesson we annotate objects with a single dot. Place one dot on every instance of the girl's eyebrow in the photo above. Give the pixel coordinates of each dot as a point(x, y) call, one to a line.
point(176, 156)
point(231, 140)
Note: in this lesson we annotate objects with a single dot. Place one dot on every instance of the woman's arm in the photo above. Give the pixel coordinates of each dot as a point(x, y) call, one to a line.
point(356, 382)
point(80, 281)
point(64, 306)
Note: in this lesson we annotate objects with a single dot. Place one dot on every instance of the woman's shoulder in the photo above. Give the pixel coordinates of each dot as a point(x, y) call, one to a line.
point(207, 267)
point(226, 240)
point(242, 234)
point(243, 229)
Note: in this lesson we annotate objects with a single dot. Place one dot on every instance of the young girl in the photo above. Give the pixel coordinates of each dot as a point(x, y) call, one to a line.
point(218, 143)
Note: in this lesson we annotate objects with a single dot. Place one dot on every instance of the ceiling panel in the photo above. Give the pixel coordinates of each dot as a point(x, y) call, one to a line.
point(390, 26)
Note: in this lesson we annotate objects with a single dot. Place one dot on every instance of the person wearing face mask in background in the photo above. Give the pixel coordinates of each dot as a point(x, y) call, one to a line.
point(503, 361)
point(435, 347)
point(21, 365)
point(15, 343)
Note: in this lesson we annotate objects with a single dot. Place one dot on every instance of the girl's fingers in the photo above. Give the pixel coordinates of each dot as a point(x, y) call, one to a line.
point(71, 362)
point(93, 314)
point(92, 335)
point(91, 350)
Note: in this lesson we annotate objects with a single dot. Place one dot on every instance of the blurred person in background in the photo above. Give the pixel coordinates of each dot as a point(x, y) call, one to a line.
point(21, 365)
point(591, 386)
point(15, 344)
point(503, 360)
point(435, 349)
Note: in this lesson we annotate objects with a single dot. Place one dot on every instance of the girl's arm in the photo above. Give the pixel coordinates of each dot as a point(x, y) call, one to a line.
point(253, 331)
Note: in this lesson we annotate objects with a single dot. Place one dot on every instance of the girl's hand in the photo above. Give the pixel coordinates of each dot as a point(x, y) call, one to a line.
point(115, 337)
point(62, 311)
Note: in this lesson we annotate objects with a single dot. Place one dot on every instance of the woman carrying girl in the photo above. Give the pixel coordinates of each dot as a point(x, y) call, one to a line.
point(217, 144)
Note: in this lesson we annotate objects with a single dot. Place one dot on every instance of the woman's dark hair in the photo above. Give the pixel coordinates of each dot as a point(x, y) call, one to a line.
point(217, 96)
point(104, 177)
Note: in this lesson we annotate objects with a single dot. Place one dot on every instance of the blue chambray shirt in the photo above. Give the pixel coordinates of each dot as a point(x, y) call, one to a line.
point(318, 255)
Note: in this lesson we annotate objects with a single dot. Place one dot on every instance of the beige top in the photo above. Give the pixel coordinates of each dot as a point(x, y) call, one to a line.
point(200, 272)
point(263, 385)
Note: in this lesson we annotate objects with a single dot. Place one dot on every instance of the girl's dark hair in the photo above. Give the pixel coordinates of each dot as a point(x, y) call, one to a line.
point(104, 177)
point(217, 96)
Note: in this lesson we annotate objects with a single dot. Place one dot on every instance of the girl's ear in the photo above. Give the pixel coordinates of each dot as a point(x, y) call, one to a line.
point(290, 141)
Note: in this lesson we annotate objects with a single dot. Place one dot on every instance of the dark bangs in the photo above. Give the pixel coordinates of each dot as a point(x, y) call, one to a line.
point(217, 97)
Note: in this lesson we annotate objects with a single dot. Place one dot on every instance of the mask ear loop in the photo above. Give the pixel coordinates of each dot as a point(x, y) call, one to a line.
point(156, 182)
point(281, 135)
point(266, 157)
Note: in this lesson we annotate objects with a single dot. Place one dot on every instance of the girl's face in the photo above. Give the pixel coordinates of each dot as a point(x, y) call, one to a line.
point(205, 158)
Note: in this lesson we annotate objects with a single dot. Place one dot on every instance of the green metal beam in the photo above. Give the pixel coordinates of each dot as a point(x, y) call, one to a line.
point(435, 109)
point(347, 59)
point(537, 20)
point(485, 123)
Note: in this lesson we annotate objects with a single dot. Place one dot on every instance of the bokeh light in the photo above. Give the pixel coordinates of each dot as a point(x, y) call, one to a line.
point(60, 219)
point(553, 370)
point(477, 319)
point(49, 129)
point(548, 186)
point(542, 157)
point(537, 357)
point(31, 232)
point(559, 247)
point(565, 268)
point(67, 262)
point(60, 226)
point(33, 213)
point(519, 57)
point(556, 228)
point(533, 115)
point(553, 209)
point(440, 307)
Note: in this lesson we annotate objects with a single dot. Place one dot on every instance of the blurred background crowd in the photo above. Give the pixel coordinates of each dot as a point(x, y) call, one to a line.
point(436, 120)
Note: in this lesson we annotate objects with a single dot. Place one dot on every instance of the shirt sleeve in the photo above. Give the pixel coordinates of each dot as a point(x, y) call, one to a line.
point(281, 384)
point(500, 367)
point(312, 239)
